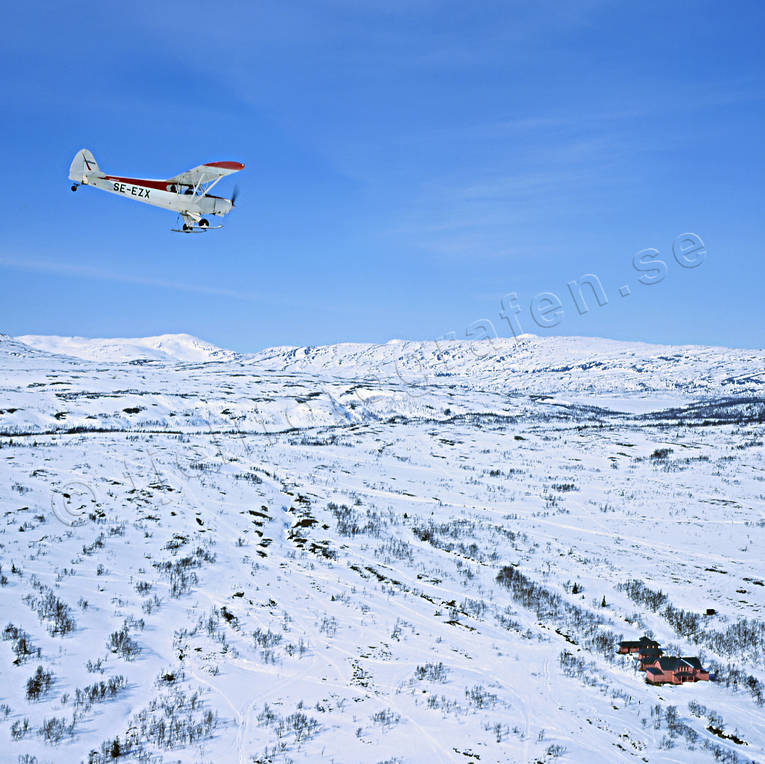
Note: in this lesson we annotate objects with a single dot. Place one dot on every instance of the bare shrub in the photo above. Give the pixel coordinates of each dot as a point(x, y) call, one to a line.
point(433, 672)
point(121, 643)
point(22, 646)
point(39, 684)
point(386, 718)
point(480, 697)
point(52, 611)
point(53, 730)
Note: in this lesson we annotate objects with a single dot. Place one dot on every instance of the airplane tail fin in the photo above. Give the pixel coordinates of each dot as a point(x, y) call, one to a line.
point(83, 164)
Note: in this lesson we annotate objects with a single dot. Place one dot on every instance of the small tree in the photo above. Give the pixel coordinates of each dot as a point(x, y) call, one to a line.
point(39, 684)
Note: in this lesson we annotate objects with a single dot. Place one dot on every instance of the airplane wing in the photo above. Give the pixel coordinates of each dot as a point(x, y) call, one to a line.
point(205, 173)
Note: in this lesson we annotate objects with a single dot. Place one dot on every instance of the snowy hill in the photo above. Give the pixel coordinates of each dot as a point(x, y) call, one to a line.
point(533, 364)
point(165, 347)
point(14, 348)
point(360, 553)
point(528, 364)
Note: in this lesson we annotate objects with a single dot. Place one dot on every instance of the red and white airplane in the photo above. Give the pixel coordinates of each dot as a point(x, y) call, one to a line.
point(188, 194)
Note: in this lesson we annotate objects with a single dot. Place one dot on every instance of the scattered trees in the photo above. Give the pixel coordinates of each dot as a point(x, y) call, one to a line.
point(39, 684)
point(52, 611)
point(22, 646)
point(121, 643)
point(433, 672)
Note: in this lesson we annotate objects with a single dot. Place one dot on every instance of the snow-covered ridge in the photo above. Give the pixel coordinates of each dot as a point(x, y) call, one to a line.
point(527, 364)
point(11, 347)
point(534, 365)
point(165, 347)
point(527, 352)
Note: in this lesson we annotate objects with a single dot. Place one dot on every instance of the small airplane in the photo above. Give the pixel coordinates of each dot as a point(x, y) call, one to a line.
point(188, 194)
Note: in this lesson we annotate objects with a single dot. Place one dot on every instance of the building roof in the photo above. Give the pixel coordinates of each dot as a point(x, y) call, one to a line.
point(670, 663)
point(642, 642)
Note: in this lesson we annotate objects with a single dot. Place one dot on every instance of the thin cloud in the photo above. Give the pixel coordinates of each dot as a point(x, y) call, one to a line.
point(86, 272)
point(81, 271)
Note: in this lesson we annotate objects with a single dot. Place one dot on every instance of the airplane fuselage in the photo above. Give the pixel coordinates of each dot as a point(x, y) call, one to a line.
point(157, 193)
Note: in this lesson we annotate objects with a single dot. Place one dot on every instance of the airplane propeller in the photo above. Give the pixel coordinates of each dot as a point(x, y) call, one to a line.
point(234, 195)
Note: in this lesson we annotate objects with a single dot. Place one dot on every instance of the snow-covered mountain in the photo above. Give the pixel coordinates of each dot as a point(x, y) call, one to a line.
point(529, 364)
point(533, 364)
point(165, 347)
point(11, 347)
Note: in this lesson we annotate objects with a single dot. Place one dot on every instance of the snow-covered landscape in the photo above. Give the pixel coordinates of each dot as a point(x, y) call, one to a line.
point(406, 552)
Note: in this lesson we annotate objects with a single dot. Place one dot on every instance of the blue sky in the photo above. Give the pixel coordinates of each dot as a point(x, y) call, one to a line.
point(408, 164)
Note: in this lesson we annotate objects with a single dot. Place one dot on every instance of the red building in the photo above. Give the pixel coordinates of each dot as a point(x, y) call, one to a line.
point(636, 646)
point(674, 671)
point(649, 654)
